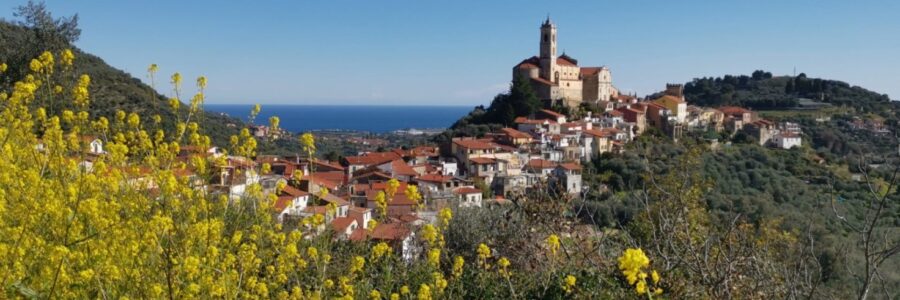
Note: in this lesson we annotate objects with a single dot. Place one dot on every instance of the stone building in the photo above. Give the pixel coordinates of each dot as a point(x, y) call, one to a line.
point(559, 78)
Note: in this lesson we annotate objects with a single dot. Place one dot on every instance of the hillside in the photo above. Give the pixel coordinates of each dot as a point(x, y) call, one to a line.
point(111, 89)
point(762, 91)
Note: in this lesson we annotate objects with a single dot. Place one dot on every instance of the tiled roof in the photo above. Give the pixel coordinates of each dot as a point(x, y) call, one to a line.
point(340, 224)
point(587, 71)
point(292, 191)
point(474, 144)
point(552, 113)
point(538, 163)
point(482, 160)
point(373, 158)
point(434, 178)
point(515, 133)
point(566, 60)
point(399, 167)
point(597, 132)
point(570, 166)
point(466, 190)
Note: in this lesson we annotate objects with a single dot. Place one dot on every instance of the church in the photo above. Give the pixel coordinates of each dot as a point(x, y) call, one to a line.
point(559, 78)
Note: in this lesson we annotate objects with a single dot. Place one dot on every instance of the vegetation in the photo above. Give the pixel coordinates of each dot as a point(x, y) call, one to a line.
point(763, 91)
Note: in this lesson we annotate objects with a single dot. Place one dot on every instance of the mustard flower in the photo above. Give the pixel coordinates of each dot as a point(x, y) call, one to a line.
point(380, 250)
point(569, 284)
point(434, 257)
point(445, 215)
point(458, 264)
point(424, 292)
point(3, 67)
point(201, 82)
point(176, 79)
point(553, 243)
point(404, 290)
point(375, 295)
point(503, 265)
point(357, 264)
point(67, 57)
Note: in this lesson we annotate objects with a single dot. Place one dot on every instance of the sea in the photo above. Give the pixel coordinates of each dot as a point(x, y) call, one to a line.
point(370, 118)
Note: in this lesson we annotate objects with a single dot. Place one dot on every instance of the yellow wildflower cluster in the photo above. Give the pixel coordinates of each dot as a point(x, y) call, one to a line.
point(633, 263)
point(569, 284)
point(553, 244)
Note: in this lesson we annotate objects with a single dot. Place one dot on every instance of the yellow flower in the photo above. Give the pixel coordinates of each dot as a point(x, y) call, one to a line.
point(404, 290)
point(484, 252)
point(201, 82)
point(458, 264)
point(553, 243)
point(445, 215)
point(503, 263)
point(328, 283)
point(424, 292)
point(380, 250)
point(375, 295)
point(312, 252)
point(569, 284)
point(176, 79)
point(439, 282)
point(655, 276)
point(357, 264)
point(371, 225)
point(67, 57)
point(3, 67)
point(35, 65)
point(434, 258)
point(152, 68)
point(641, 287)
point(429, 234)
point(395, 296)
point(308, 141)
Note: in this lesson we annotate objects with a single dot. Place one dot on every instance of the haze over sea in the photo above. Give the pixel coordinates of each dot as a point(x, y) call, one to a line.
point(372, 118)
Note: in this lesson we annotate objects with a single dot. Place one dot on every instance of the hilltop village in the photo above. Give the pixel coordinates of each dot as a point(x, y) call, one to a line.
point(388, 195)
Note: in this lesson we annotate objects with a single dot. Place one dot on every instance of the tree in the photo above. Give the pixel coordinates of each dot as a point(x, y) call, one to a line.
point(53, 33)
point(877, 239)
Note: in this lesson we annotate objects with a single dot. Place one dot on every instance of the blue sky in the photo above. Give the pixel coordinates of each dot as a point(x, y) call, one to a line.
point(462, 52)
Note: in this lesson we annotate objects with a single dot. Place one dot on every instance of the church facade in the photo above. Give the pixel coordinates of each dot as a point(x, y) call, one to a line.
point(559, 78)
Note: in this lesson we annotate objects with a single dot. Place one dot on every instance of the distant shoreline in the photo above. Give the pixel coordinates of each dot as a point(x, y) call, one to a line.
point(400, 119)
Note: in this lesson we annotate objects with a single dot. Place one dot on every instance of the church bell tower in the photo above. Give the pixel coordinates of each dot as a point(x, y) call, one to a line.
point(548, 49)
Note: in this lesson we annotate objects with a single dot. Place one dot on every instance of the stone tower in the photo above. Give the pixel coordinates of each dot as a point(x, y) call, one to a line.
point(548, 50)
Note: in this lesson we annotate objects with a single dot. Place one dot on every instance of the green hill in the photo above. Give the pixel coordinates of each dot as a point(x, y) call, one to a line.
point(111, 89)
point(763, 91)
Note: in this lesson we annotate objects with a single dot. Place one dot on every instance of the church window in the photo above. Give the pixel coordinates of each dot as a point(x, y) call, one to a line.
point(545, 37)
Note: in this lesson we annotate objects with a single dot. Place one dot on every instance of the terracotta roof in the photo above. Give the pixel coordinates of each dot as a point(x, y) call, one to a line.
point(330, 198)
point(482, 160)
point(292, 191)
point(597, 132)
point(570, 166)
point(591, 70)
point(434, 178)
point(282, 202)
point(540, 164)
point(616, 113)
point(566, 60)
point(373, 158)
point(466, 190)
point(515, 133)
point(340, 224)
point(474, 144)
point(552, 113)
point(528, 63)
point(524, 120)
point(399, 167)
point(400, 198)
point(328, 164)
point(390, 231)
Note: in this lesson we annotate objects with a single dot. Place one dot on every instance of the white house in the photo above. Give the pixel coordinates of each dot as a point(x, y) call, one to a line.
point(787, 140)
point(468, 196)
